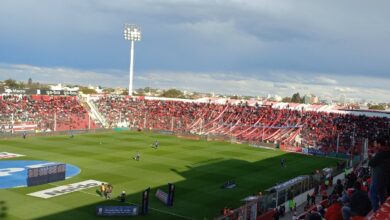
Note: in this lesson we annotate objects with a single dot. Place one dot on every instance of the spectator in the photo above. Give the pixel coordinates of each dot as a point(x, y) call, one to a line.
point(339, 187)
point(313, 216)
point(334, 211)
point(346, 208)
point(42, 113)
point(313, 198)
point(360, 203)
point(380, 165)
point(324, 195)
point(276, 214)
point(308, 197)
point(316, 129)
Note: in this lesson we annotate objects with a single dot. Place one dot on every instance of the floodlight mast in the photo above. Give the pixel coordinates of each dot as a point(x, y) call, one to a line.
point(131, 33)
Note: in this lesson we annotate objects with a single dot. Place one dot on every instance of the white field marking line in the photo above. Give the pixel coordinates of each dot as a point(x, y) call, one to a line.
point(77, 191)
point(171, 213)
point(158, 210)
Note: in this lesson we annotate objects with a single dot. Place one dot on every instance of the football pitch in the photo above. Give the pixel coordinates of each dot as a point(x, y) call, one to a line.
point(198, 168)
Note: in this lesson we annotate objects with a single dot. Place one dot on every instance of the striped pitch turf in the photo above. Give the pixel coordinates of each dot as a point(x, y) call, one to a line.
point(198, 168)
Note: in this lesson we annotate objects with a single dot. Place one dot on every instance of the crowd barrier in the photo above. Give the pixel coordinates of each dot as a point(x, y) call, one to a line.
point(279, 196)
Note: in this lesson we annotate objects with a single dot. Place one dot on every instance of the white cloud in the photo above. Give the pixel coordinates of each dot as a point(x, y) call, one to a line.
point(60, 75)
point(326, 80)
point(229, 46)
point(345, 90)
point(236, 83)
point(272, 82)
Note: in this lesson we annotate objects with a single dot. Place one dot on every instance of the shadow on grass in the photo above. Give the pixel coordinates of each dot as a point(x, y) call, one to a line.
point(3, 210)
point(200, 195)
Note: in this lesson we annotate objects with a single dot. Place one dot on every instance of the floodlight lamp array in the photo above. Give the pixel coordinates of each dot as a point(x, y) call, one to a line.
point(132, 32)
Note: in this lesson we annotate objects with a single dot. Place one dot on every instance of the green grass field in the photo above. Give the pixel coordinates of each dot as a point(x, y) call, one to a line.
point(198, 168)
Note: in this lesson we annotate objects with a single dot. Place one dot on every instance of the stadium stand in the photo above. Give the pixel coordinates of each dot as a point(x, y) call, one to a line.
point(353, 203)
point(290, 126)
point(42, 113)
point(382, 213)
point(324, 131)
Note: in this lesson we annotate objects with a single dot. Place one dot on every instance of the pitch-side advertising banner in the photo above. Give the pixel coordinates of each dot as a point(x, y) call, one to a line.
point(61, 190)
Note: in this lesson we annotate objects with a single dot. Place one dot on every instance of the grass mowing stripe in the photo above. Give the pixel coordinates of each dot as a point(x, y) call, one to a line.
point(197, 168)
point(158, 210)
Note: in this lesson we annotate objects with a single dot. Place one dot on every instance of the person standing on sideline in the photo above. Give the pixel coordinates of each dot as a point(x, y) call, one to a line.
point(109, 191)
point(122, 196)
point(292, 205)
point(102, 189)
point(105, 190)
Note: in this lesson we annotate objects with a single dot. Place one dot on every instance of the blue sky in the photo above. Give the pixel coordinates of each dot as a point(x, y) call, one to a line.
point(252, 47)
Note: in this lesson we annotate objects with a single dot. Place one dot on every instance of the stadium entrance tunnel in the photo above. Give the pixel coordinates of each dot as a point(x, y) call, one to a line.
point(13, 173)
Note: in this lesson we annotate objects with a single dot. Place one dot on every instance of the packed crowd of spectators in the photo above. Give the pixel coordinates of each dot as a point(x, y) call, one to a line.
point(328, 132)
point(361, 193)
point(359, 196)
point(320, 130)
point(47, 113)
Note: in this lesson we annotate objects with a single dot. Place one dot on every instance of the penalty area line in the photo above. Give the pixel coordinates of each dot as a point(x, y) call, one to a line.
point(157, 210)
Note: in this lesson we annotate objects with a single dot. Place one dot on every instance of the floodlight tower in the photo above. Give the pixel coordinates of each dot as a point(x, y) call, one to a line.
point(132, 33)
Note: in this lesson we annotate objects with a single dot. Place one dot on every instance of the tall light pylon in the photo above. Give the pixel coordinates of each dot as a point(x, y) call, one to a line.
point(131, 33)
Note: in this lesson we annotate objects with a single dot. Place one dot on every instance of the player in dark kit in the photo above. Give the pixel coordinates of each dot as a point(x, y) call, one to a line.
point(282, 162)
point(156, 145)
point(137, 156)
point(122, 196)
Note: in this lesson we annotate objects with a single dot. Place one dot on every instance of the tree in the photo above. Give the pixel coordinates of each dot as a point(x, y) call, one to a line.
point(148, 90)
point(296, 98)
point(108, 90)
point(286, 99)
point(194, 95)
point(44, 87)
point(21, 85)
point(125, 92)
point(10, 83)
point(86, 90)
point(172, 93)
point(377, 107)
point(140, 92)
